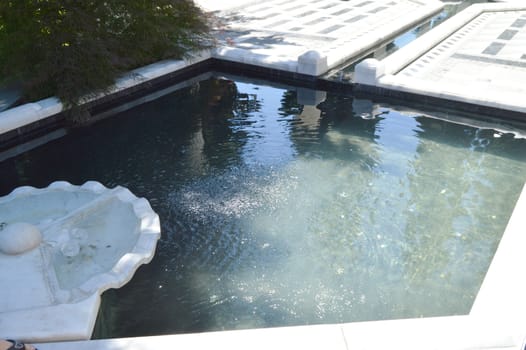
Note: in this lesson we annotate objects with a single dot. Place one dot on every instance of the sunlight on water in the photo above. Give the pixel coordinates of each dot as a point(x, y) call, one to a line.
point(330, 240)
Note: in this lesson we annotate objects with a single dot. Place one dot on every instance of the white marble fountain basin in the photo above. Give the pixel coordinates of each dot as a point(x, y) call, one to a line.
point(93, 239)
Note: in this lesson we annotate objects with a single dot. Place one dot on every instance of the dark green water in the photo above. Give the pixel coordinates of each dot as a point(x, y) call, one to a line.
point(274, 213)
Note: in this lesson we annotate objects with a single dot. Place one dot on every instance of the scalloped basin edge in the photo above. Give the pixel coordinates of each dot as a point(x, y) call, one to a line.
point(94, 239)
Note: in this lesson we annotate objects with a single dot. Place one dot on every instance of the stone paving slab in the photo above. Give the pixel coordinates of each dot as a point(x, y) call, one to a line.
point(276, 33)
point(478, 57)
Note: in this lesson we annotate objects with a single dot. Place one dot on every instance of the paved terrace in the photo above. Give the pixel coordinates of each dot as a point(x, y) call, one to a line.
point(476, 57)
point(279, 34)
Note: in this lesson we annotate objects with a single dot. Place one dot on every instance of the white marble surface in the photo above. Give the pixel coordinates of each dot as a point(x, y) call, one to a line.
point(28, 113)
point(94, 238)
point(276, 33)
point(502, 295)
point(478, 57)
point(304, 338)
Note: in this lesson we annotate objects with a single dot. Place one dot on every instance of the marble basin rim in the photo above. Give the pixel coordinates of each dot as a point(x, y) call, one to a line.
point(93, 238)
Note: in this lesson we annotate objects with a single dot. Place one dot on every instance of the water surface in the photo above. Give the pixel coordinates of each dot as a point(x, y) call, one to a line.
point(276, 213)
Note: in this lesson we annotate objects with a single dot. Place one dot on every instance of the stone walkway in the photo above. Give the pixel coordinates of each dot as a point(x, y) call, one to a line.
point(478, 56)
point(277, 33)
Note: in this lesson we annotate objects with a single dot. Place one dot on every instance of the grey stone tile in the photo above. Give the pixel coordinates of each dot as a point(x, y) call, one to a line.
point(294, 8)
point(270, 15)
point(355, 18)
point(277, 23)
point(341, 12)
point(329, 6)
point(493, 48)
point(519, 23)
point(317, 20)
point(363, 3)
point(378, 9)
point(331, 29)
point(507, 34)
point(307, 13)
point(497, 61)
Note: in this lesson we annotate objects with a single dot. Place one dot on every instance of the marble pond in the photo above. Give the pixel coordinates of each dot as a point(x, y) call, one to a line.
point(276, 210)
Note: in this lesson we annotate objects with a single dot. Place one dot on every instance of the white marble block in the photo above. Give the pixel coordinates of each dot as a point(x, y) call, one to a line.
point(368, 71)
point(312, 63)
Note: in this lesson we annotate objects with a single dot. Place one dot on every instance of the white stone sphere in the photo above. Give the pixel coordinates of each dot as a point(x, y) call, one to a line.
point(19, 237)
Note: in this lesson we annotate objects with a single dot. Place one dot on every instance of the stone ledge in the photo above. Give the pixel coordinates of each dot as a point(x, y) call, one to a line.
point(15, 118)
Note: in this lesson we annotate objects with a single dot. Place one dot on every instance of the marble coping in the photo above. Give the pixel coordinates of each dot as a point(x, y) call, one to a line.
point(28, 113)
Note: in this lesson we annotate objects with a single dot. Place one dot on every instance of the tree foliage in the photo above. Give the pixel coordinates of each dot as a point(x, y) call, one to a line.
point(73, 48)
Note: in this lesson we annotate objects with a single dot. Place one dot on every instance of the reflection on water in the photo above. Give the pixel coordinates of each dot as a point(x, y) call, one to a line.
point(278, 213)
